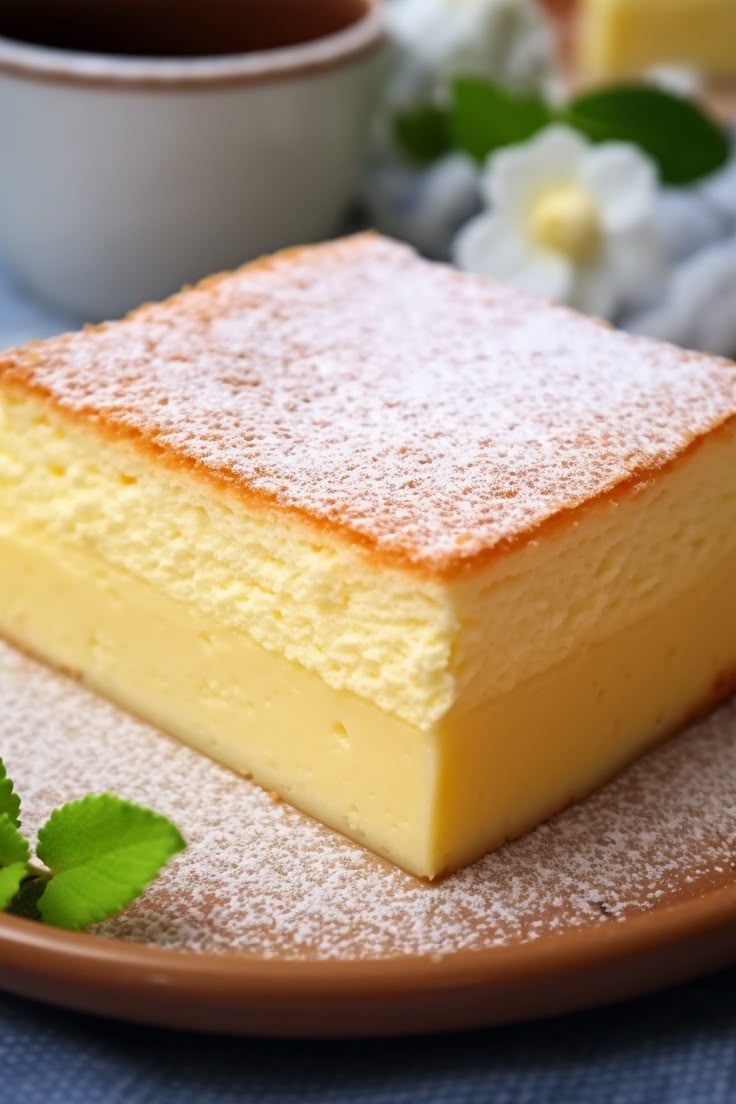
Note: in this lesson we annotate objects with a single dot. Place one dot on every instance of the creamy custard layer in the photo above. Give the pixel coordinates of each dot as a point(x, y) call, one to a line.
point(428, 800)
point(323, 750)
point(428, 718)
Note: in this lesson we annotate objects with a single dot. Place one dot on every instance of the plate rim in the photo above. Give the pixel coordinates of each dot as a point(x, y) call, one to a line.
point(242, 993)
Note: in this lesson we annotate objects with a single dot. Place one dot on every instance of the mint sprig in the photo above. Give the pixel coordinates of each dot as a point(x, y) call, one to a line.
point(13, 845)
point(11, 879)
point(99, 853)
point(102, 852)
point(9, 800)
point(481, 117)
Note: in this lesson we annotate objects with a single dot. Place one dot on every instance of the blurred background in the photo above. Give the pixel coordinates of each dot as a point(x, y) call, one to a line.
point(584, 151)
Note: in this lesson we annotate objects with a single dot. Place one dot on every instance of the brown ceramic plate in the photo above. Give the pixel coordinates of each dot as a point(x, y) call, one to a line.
point(270, 924)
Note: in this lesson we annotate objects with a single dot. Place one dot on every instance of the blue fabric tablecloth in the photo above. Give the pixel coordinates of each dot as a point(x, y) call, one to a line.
point(676, 1048)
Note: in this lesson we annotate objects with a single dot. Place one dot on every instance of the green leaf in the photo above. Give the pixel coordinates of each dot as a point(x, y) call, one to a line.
point(685, 143)
point(102, 852)
point(9, 801)
point(423, 133)
point(484, 117)
point(13, 846)
point(11, 878)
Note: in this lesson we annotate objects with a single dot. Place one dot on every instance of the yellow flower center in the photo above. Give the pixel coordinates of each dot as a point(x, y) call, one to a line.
point(566, 220)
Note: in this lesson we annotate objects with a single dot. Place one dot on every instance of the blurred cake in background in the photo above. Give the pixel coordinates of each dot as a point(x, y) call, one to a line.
point(621, 37)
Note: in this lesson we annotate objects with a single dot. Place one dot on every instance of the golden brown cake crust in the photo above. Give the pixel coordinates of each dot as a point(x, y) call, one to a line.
point(429, 416)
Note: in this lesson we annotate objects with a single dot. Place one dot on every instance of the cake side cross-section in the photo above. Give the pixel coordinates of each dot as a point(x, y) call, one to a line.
point(423, 555)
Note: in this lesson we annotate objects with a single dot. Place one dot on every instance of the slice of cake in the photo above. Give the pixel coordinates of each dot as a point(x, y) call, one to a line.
point(427, 557)
point(619, 37)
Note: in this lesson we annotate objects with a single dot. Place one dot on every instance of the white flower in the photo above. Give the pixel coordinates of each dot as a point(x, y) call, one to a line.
point(508, 41)
point(569, 221)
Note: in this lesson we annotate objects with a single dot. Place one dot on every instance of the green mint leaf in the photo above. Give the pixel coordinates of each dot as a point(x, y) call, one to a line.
point(9, 801)
point(13, 846)
point(485, 117)
point(102, 852)
point(684, 142)
point(423, 133)
point(11, 878)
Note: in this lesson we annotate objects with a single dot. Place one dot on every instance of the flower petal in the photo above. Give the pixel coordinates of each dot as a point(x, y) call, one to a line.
point(630, 273)
point(514, 175)
point(624, 182)
point(508, 41)
point(491, 246)
point(409, 21)
point(546, 275)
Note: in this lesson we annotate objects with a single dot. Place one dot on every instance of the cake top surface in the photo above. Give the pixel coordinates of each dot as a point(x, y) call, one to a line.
point(430, 415)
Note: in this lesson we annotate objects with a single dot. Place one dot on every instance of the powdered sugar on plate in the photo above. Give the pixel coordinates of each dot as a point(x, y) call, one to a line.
point(258, 876)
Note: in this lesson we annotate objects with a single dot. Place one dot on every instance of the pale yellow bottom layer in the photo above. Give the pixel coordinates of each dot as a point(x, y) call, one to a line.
point(428, 801)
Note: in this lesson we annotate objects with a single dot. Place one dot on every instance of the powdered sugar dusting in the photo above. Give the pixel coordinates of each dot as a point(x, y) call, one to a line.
point(260, 877)
point(430, 413)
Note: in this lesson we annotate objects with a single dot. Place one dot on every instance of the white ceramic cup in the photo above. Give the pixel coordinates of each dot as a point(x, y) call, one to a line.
point(123, 178)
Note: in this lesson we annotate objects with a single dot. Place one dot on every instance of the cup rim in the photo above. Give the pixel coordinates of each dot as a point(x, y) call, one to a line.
point(50, 64)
